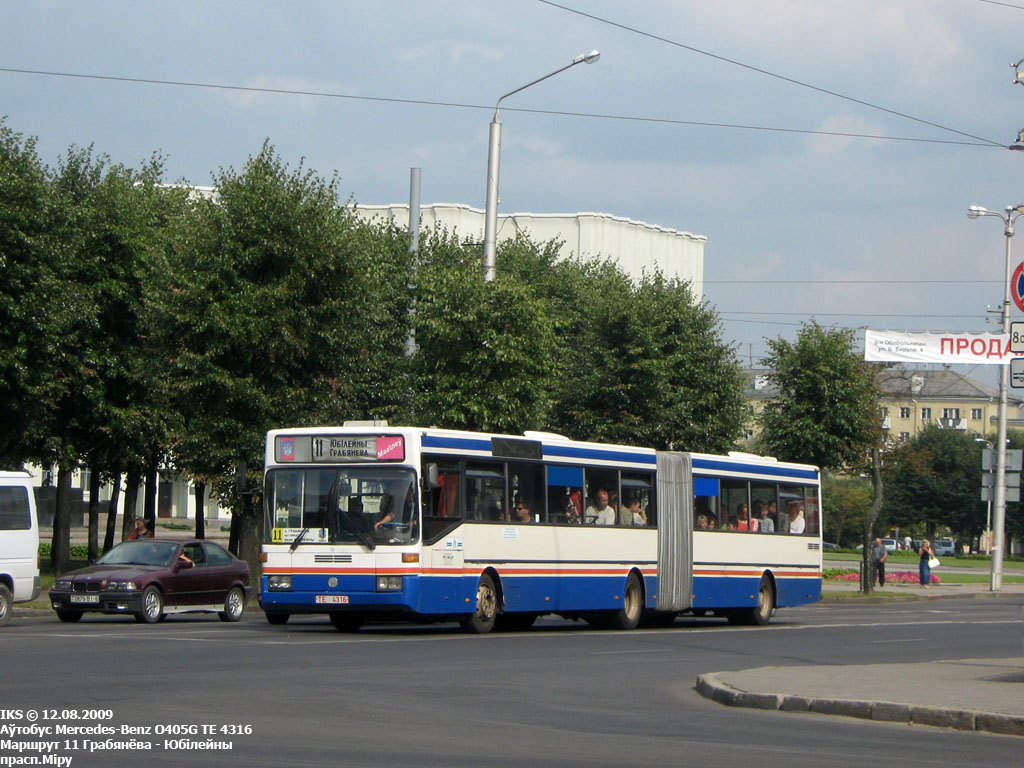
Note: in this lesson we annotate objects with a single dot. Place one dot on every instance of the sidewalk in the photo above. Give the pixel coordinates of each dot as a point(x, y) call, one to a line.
point(968, 694)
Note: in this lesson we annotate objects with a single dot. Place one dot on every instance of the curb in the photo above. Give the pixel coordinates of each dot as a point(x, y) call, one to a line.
point(711, 686)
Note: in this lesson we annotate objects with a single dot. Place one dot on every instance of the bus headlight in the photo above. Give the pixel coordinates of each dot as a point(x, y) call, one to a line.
point(279, 582)
point(389, 583)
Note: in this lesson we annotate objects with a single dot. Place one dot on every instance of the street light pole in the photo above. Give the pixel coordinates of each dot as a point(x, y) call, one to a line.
point(494, 161)
point(1008, 218)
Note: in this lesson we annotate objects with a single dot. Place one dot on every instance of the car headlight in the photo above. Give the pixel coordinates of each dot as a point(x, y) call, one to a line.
point(279, 582)
point(389, 583)
point(120, 586)
point(62, 585)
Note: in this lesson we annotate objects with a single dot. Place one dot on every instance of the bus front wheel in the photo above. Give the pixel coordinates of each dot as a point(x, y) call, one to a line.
point(481, 621)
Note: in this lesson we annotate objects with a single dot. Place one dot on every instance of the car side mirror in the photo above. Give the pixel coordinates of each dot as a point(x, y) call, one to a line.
point(183, 563)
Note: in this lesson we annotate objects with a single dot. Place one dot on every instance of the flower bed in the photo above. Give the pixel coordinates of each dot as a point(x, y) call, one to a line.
point(895, 577)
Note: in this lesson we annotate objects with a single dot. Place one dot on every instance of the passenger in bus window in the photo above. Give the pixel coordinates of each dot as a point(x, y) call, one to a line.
point(764, 523)
point(522, 513)
point(600, 513)
point(702, 522)
point(742, 518)
point(771, 512)
point(796, 517)
point(712, 523)
point(638, 516)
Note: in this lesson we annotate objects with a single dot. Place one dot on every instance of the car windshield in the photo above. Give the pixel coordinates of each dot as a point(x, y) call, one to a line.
point(359, 505)
point(141, 553)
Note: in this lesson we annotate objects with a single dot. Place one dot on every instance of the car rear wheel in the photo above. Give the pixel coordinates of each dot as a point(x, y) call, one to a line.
point(152, 606)
point(234, 605)
point(6, 602)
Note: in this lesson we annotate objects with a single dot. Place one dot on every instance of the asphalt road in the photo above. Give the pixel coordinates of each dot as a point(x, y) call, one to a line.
point(559, 695)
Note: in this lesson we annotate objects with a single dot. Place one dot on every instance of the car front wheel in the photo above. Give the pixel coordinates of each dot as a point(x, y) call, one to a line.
point(234, 605)
point(152, 606)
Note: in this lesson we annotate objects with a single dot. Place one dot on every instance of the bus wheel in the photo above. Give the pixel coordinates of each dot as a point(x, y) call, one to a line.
point(482, 620)
point(69, 616)
point(762, 614)
point(347, 622)
point(514, 622)
point(6, 603)
point(628, 616)
point(275, 617)
point(698, 612)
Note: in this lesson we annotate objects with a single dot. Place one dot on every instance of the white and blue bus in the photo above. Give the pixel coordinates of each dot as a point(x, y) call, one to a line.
point(368, 521)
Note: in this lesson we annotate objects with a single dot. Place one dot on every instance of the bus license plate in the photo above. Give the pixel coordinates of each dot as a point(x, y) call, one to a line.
point(85, 598)
point(332, 598)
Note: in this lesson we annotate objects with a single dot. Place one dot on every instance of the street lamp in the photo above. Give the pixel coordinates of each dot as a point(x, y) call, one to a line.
point(1008, 217)
point(494, 160)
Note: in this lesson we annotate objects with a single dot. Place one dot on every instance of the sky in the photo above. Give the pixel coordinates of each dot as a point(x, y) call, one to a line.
point(746, 122)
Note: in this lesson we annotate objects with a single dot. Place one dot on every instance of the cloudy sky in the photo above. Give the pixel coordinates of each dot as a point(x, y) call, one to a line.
point(744, 121)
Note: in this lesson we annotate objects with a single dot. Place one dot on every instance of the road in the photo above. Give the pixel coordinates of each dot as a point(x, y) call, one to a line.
point(558, 695)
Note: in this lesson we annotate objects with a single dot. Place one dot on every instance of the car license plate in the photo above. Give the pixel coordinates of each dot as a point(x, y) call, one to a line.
point(85, 598)
point(332, 598)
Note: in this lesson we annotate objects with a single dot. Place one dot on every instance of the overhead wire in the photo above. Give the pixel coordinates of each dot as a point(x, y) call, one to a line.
point(489, 107)
point(767, 73)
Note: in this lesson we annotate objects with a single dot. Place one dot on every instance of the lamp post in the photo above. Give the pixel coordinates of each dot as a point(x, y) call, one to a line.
point(494, 161)
point(1008, 217)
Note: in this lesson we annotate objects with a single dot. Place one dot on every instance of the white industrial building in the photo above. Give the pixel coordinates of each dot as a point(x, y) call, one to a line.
point(635, 246)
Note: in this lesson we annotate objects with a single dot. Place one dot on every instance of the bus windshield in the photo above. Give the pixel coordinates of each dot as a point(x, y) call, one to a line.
point(344, 505)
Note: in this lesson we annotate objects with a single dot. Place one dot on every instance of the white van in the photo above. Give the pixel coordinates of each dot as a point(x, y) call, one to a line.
point(19, 543)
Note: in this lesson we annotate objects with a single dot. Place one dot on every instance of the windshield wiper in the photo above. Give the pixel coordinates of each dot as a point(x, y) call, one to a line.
point(297, 539)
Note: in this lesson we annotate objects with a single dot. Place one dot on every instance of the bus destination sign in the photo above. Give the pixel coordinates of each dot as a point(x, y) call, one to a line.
point(358, 448)
point(339, 448)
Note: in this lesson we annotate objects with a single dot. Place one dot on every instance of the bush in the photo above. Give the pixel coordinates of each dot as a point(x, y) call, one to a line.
point(78, 551)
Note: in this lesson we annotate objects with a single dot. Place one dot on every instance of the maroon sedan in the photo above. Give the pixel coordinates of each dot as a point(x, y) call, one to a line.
point(150, 578)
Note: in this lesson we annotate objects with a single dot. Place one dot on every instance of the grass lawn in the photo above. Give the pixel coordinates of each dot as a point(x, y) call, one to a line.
point(909, 560)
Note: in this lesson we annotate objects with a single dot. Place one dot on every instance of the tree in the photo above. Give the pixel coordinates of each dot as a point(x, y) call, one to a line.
point(846, 502)
point(826, 411)
point(635, 362)
point(934, 479)
point(25, 289)
point(486, 351)
point(274, 306)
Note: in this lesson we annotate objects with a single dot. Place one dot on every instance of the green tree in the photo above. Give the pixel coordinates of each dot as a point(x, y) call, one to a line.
point(26, 290)
point(846, 503)
point(486, 351)
point(933, 480)
point(826, 411)
point(274, 306)
point(642, 363)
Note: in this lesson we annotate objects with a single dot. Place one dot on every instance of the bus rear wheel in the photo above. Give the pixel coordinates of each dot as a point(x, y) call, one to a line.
point(481, 621)
point(762, 613)
point(276, 617)
point(632, 610)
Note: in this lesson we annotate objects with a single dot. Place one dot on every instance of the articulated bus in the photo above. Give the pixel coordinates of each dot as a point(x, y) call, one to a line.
point(371, 522)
